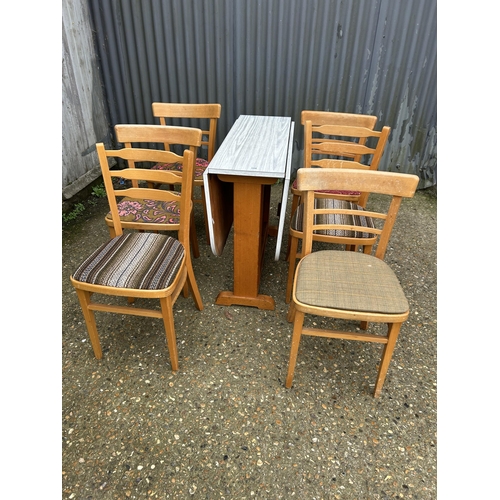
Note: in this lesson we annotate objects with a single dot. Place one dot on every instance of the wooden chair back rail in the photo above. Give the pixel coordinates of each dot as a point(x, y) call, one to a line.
point(154, 134)
point(327, 117)
point(142, 155)
point(374, 182)
point(146, 193)
point(337, 163)
point(364, 213)
point(181, 110)
point(346, 227)
point(344, 131)
point(342, 149)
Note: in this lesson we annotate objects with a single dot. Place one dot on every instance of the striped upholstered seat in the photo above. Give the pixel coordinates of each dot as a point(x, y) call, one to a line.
point(141, 261)
point(360, 220)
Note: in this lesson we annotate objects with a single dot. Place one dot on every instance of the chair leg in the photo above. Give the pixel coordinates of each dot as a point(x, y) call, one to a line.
point(297, 332)
point(168, 321)
point(392, 337)
point(191, 282)
point(205, 214)
point(193, 238)
point(291, 313)
point(112, 232)
point(295, 204)
point(84, 298)
point(292, 262)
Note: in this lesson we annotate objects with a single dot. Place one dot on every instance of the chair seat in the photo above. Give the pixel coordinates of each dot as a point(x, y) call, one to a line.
point(330, 191)
point(349, 281)
point(345, 219)
point(199, 167)
point(148, 211)
point(140, 261)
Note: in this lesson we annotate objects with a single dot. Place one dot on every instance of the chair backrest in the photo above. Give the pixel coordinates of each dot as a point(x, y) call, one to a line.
point(154, 135)
point(204, 113)
point(133, 155)
point(337, 142)
point(343, 140)
point(333, 118)
point(395, 185)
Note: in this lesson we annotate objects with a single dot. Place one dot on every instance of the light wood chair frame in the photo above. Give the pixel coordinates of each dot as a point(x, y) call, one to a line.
point(354, 150)
point(185, 275)
point(396, 185)
point(170, 111)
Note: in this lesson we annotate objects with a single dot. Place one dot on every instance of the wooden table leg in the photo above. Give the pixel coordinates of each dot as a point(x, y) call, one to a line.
point(251, 216)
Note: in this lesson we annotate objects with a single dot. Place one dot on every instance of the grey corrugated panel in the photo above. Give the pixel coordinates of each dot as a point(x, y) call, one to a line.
point(279, 57)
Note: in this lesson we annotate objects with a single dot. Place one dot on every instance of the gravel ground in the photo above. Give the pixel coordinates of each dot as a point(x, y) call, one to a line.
point(224, 426)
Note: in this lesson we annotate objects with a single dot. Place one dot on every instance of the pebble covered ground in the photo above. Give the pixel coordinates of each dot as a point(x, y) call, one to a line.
point(224, 426)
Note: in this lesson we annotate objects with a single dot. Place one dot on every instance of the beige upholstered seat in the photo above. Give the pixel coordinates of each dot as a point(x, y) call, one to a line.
point(141, 264)
point(334, 280)
point(349, 285)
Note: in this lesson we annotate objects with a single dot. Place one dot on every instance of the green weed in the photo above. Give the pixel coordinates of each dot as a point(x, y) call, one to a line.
point(99, 191)
point(77, 210)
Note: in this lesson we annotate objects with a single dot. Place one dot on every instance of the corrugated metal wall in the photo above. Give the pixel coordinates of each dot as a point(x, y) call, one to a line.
point(278, 57)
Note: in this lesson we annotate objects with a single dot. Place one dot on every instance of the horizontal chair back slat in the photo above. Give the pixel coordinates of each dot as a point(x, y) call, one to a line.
point(390, 183)
point(128, 134)
point(180, 110)
point(345, 131)
point(326, 117)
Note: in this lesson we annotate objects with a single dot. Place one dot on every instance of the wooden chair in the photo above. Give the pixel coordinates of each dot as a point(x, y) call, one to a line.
point(152, 215)
point(203, 114)
point(140, 264)
point(349, 285)
point(359, 148)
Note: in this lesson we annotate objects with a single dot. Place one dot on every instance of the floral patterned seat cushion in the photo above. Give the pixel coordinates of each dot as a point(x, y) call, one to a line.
point(148, 211)
point(199, 167)
point(330, 191)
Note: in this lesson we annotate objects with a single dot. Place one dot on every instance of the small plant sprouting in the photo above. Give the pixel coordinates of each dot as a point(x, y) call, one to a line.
point(99, 191)
point(77, 210)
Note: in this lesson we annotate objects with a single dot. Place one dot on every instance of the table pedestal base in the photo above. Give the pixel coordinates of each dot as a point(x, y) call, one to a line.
point(260, 301)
